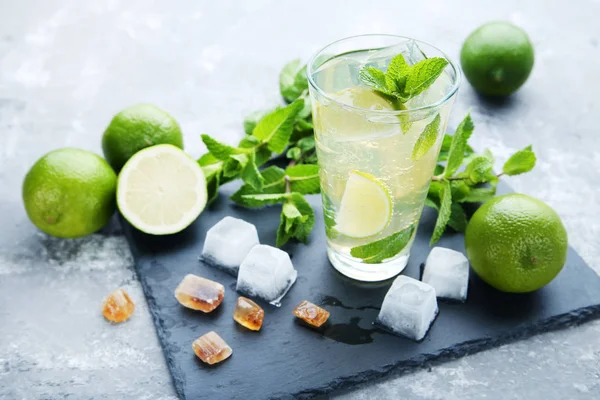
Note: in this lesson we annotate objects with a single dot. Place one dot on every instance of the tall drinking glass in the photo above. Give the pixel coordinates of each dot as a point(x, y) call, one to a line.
point(373, 183)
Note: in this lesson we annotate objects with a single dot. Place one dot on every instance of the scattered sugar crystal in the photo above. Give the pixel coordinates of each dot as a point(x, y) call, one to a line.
point(211, 348)
point(248, 314)
point(118, 306)
point(448, 272)
point(228, 242)
point(311, 313)
point(199, 293)
point(266, 272)
point(409, 308)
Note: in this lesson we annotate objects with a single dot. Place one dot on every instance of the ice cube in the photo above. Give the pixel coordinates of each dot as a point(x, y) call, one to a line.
point(228, 242)
point(248, 314)
point(199, 293)
point(381, 58)
point(448, 272)
point(118, 306)
point(409, 308)
point(339, 73)
point(211, 348)
point(266, 272)
point(311, 313)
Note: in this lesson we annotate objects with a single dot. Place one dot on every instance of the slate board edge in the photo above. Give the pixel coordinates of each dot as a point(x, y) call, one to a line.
point(176, 376)
point(558, 322)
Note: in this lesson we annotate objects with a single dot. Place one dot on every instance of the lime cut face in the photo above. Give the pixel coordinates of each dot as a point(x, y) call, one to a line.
point(161, 190)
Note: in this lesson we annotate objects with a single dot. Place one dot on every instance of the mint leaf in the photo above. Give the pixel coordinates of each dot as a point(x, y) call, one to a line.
point(261, 200)
point(458, 218)
point(446, 142)
point(456, 152)
point(396, 75)
point(212, 186)
point(302, 125)
point(263, 154)
point(479, 170)
point(292, 80)
point(296, 221)
point(460, 190)
point(219, 150)
point(423, 74)
point(329, 219)
point(294, 153)
point(520, 162)
point(209, 159)
point(234, 165)
point(250, 174)
point(274, 177)
point(307, 109)
point(443, 214)
point(304, 178)
point(401, 80)
point(276, 127)
point(273, 183)
point(374, 78)
point(253, 118)
point(311, 158)
point(306, 144)
point(431, 203)
point(303, 229)
point(283, 236)
point(405, 123)
point(435, 190)
point(211, 170)
point(479, 195)
point(376, 252)
point(249, 142)
point(427, 139)
point(438, 169)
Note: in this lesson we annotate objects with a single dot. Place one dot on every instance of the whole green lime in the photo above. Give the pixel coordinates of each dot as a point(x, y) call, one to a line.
point(497, 58)
point(516, 243)
point(70, 193)
point(138, 127)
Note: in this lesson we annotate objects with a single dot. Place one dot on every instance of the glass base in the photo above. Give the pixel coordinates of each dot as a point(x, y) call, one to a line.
point(367, 272)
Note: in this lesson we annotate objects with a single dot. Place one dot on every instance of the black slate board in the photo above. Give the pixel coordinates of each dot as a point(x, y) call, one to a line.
point(288, 360)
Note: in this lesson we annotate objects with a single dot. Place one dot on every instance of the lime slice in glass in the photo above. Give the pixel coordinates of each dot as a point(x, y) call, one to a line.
point(366, 206)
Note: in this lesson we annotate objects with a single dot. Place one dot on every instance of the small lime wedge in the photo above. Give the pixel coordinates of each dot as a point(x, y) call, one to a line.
point(366, 206)
point(161, 190)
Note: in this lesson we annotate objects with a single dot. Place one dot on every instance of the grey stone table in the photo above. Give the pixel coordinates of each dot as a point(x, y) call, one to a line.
point(66, 66)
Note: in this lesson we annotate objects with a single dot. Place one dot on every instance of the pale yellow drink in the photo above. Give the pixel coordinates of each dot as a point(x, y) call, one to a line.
point(366, 142)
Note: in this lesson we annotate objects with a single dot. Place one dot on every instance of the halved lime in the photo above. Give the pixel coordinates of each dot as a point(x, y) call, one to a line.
point(366, 206)
point(161, 190)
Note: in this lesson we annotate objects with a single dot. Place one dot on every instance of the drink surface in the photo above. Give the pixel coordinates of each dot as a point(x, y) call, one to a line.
point(359, 132)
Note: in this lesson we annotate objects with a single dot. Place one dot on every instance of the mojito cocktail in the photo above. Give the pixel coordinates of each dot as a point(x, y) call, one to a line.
point(377, 146)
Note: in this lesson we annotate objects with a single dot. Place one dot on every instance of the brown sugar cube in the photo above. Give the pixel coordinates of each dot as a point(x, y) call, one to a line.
point(118, 306)
point(199, 293)
point(248, 314)
point(311, 313)
point(211, 348)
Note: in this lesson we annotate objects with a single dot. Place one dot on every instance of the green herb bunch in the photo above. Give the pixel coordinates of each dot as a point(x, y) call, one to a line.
point(461, 176)
point(283, 130)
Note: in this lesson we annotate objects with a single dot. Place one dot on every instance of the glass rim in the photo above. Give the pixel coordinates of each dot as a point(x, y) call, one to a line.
point(436, 104)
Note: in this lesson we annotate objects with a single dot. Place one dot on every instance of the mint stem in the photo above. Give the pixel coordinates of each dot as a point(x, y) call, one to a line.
point(288, 185)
